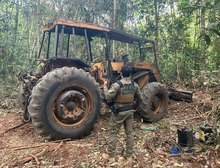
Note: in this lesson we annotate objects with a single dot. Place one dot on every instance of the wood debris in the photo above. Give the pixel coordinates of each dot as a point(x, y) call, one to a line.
point(21, 146)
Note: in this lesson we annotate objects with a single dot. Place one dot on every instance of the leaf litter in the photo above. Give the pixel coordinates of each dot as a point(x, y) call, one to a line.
point(20, 146)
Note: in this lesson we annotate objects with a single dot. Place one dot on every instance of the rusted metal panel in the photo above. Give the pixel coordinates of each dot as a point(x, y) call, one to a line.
point(60, 21)
point(149, 66)
point(93, 30)
point(116, 66)
point(143, 80)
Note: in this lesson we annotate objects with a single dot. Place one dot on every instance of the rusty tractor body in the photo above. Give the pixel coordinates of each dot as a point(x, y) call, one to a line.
point(62, 98)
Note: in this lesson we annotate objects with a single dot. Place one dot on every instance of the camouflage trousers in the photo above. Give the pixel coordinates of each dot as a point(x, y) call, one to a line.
point(116, 121)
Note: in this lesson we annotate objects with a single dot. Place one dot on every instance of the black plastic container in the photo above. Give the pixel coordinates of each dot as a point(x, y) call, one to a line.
point(185, 136)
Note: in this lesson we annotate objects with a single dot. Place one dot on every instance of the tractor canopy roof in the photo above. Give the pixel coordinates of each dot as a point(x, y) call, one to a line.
point(93, 30)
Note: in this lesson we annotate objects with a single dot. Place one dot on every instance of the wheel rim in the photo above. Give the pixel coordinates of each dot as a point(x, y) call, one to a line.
point(72, 107)
point(157, 103)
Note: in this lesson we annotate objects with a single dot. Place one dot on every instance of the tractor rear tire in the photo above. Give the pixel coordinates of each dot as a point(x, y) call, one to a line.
point(155, 102)
point(65, 104)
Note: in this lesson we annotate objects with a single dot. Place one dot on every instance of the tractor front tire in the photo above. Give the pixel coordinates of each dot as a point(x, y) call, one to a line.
point(154, 103)
point(65, 104)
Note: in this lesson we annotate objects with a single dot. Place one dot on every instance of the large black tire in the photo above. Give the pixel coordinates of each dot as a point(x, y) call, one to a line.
point(65, 104)
point(155, 102)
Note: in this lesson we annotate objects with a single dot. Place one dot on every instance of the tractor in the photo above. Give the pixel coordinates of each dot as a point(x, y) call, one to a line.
point(62, 97)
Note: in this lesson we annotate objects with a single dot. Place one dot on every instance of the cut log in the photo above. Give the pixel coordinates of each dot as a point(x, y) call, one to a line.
point(180, 95)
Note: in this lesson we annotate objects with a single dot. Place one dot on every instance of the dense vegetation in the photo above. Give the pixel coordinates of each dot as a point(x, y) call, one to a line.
point(187, 32)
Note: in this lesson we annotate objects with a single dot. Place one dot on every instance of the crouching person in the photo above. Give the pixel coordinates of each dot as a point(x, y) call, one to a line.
point(123, 94)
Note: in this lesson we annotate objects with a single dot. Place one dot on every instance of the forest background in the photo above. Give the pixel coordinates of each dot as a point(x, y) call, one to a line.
point(186, 32)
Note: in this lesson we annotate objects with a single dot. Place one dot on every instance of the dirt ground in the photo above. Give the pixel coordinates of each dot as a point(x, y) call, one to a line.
point(20, 146)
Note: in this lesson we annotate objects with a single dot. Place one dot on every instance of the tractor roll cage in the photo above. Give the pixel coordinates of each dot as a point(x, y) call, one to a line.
point(63, 26)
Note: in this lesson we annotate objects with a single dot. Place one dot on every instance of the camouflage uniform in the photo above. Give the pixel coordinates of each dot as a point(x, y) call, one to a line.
point(124, 117)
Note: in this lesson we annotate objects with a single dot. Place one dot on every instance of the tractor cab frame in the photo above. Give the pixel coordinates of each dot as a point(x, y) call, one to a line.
point(65, 33)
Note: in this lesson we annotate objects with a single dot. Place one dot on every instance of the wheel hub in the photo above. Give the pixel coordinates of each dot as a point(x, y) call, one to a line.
point(70, 107)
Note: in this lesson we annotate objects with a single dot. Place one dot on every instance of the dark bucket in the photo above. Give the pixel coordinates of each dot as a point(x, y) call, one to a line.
point(185, 136)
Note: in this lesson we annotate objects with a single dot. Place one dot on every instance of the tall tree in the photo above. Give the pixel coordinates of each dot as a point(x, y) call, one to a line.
point(174, 25)
point(156, 18)
point(115, 16)
point(203, 45)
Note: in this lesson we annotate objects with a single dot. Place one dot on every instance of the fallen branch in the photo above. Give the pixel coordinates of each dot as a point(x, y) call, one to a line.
point(36, 159)
point(42, 144)
point(61, 140)
point(32, 156)
point(192, 118)
point(161, 155)
point(82, 145)
point(23, 147)
point(61, 143)
point(33, 146)
point(157, 153)
point(196, 117)
point(177, 124)
point(196, 108)
point(41, 153)
point(12, 128)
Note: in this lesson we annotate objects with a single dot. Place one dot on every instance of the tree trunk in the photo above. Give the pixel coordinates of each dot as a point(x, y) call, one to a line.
point(216, 41)
point(218, 56)
point(195, 57)
point(114, 25)
point(16, 22)
point(38, 25)
point(203, 45)
point(6, 73)
point(156, 18)
point(174, 42)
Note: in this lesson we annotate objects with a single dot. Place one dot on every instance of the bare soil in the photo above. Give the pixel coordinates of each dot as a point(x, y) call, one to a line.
point(20, 146)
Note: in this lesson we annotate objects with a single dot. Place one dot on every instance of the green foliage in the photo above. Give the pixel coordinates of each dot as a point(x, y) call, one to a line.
point(177, 30)
point(215, 31)
point(206, 38)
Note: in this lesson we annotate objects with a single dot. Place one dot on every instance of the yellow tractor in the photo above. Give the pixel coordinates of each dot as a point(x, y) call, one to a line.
point(63, 97)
